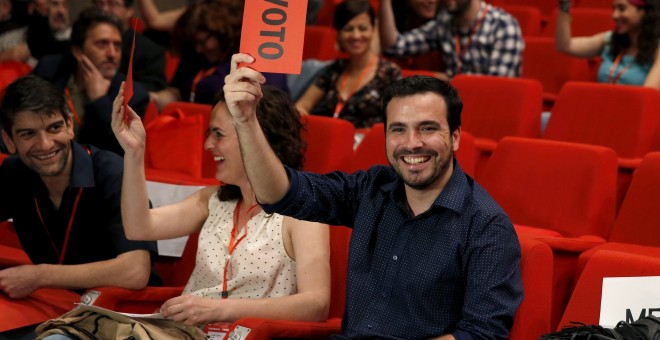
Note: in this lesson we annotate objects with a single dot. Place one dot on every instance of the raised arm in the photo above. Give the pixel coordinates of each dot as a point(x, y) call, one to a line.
point(579, 46)
point(157, 20)
point(311, 252)
point(387, 25)
point(242, 93)
point(140, 222)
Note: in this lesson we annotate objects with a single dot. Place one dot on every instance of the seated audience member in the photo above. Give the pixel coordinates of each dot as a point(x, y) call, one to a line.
point(212, 29)
point(431, 253)
point(473, 36)
point(149, 58)
point(351, 88)
point(51, 35)
point(629, 52)
point(411, 14)
point(90, 79)
point(64, 199)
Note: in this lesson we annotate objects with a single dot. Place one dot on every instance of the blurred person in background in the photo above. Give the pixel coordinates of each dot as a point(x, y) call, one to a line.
point(629, 52)
point(351, 88)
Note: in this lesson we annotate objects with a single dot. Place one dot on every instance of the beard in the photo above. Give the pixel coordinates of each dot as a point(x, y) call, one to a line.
point(416, 180)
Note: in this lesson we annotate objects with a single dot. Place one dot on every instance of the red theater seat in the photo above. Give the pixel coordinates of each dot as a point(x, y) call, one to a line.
point(494, 107)
point(329, 144)
point(624, 118)
point(533, 317)
point(638, 221)
point(584, 305)
point(561, 193)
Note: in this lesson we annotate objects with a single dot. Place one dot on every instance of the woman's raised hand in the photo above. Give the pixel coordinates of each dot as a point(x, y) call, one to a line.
point(129, 131)
point(243, 88)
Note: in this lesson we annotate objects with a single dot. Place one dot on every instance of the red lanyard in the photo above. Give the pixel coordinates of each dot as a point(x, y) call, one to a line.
point(68, 228)
point(233, 242)
point(200, 75)
point(65, 244)
point(342, 86)
point(460, 53)
point(69, 102)
point(618, 75)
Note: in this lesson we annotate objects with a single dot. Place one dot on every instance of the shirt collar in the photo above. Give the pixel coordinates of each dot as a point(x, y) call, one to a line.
point(453, 195)
point(82, 172)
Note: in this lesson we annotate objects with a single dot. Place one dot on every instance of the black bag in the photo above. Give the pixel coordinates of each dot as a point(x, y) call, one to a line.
point(647, 328)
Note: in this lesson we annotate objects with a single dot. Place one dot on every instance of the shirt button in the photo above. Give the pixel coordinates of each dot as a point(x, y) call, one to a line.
point(395, 257)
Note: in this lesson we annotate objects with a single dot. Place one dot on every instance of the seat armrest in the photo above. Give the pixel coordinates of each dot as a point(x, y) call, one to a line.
point(127, 300)
point(572, 244)
point(268, 328)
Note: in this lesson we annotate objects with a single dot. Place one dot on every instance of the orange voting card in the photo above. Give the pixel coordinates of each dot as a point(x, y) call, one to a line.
point(273, 33)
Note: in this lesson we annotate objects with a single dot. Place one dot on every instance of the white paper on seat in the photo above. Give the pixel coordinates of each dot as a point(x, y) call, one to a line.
point(162, 194)
point(628, 299)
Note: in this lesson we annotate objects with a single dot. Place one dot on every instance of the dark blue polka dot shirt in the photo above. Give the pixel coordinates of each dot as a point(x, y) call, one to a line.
point(452, 269)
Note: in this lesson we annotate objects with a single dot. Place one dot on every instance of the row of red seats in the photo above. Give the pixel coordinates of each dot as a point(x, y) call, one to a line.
point(541, 61)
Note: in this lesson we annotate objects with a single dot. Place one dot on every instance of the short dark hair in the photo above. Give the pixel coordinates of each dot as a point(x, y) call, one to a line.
point(88, 19)
point(349, 9)
point(31, 93)
point(422, 84)
point(280, 122)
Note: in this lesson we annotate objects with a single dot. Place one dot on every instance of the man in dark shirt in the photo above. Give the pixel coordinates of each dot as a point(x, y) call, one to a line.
point(149, 59)
point(431, 254)
point(64, 199)
point(90, 78)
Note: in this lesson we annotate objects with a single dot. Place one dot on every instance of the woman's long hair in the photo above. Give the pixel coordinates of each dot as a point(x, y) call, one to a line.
point(648, 38)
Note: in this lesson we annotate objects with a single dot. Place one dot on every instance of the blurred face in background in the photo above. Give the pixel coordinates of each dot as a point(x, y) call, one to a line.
point(103, 48)
point(424, 9)
point(456, 7)
point(118, 8)
point(58, 15)
point(627, 17)
point(209, 46)
point(355, 36)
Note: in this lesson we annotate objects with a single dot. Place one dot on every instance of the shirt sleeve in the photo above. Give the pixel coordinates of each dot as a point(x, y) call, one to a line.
point(506, 57)
point(329, 198)
point(417, 41)
point(494, 285)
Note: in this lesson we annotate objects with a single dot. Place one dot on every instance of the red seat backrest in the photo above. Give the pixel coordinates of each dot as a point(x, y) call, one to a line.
point(565, 187)
point(638, 221)
point(551, 68)
point(533, 316)
point(494, 107)
point(320, 43)
point(624, 118)
point(329, 144)
point(584, 22)
point(528, 17)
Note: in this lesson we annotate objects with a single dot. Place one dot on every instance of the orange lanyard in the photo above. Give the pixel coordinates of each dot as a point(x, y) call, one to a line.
point(342, 86)
point(460, 53)
point(619, 74)
point(69, 102)
point(233, 243)
point(200, 75)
